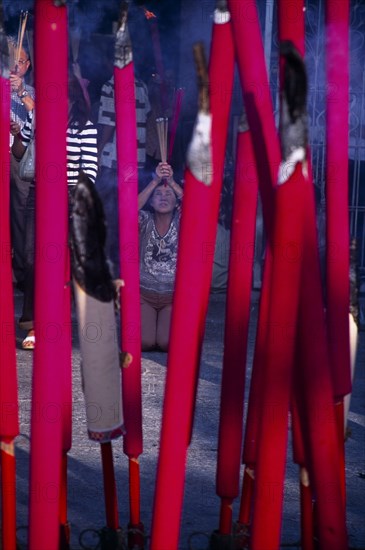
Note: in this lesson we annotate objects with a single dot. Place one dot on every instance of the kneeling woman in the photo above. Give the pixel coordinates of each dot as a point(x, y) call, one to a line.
point(158, 242)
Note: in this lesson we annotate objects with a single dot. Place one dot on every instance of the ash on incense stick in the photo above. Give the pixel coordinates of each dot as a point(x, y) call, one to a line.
point(221, 12)
point(243, 123)
point(123, 45)
point(293, 117)
point(199, 154)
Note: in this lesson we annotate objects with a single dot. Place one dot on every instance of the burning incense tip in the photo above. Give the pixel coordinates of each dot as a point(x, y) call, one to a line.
point(148, 14)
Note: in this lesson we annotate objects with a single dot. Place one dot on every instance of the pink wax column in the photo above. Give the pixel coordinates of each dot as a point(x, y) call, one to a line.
point(126, 131)
point(51, 51)
point(337, 216)
point(243, 228)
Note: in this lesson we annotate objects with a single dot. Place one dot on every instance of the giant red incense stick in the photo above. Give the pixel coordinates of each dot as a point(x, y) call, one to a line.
point(337, 218)
point(198, 226)
point(338, 240)
point(291, 27)
point(259, 109)
point(51, 242)
point(126, 132)
point(315, 398)
point(257, 99)
point(221, 75)
point(9, 424)
point(272, 442)
point(287, 239)
point(243, 229)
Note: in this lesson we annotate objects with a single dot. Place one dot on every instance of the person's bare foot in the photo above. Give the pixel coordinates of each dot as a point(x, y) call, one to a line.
point(29, 341)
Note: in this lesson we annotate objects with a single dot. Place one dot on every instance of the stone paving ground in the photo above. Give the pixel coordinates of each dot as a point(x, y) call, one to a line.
point(201, 505)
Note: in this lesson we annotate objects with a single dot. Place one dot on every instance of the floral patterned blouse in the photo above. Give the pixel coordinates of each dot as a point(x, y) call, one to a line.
point(157, 254)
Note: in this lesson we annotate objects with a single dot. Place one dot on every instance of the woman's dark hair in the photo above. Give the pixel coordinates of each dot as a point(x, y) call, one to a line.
point(79, 111)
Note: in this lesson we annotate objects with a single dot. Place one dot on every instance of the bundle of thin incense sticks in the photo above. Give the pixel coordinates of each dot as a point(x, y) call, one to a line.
point(162, 128)
point(21, 31)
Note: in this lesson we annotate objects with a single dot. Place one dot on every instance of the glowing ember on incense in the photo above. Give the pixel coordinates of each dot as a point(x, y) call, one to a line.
point(148, 14)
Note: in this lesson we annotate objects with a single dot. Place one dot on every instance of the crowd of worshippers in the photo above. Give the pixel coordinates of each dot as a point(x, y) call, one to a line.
point(91, 149)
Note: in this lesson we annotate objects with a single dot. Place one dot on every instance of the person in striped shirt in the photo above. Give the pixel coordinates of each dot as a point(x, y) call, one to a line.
point(82, 155)
point(107, 180)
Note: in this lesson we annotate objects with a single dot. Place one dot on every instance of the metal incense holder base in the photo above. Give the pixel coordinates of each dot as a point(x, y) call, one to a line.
point(241, 535)
point(65, 536)
point(111, 539)
point(136, 536)
point(219, 541)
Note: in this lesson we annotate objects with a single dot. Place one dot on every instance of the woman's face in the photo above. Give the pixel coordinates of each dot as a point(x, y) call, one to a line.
point(163, 199)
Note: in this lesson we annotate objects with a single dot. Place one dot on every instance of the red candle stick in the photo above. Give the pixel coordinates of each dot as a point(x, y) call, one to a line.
point(126, 132)
point(9, 424)
point(50, 259)
point(243, 229)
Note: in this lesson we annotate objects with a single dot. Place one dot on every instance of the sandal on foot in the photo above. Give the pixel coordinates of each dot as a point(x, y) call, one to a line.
point(29, 341)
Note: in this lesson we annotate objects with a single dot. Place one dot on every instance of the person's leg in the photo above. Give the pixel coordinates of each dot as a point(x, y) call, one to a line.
point(19, 191)
point(26, 320)
point(163, 323)
point(148, 324)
